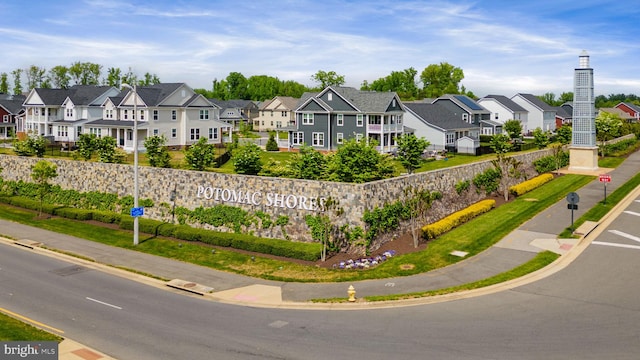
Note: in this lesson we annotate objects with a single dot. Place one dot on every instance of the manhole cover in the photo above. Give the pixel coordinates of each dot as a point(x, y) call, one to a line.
point(70, 270)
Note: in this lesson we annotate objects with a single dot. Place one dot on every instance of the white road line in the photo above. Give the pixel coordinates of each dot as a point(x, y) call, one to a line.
point(104, 303)
point(616, 245)
point(624, 234)
point(631, 213)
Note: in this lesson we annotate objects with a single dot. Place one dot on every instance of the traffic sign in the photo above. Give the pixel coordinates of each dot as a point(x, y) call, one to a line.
point(572, 206)
point(573, 198)
point(137, 211)
point(605, 178)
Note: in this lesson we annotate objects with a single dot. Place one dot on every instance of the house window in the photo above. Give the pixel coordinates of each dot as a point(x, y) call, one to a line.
point(155, 115)
point(213, 133)
point(278, 124)
point(126, 114)
point(318, 139)
point(339, 138)
point(63, 131)
point(5, 118)
point(174, 115)
point(496, 116)
point(284, 114)
point(108, 114)
point(330, 96)
point(451, 138)
point(174, 133)
point(393, 102)
point(307, 119)
point(359, 137)
point(465, 117)
point(141, 115)
point(399, 119)
point(204, 114)
point(69, 112)
point(297, 138)
point(340, 119)
point(271, 123)
point(360, 120)
point(96, 131)
point(156, 132)
point(195, 134)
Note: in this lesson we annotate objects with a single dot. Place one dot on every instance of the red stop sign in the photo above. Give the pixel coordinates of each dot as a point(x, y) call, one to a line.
point(605, 178)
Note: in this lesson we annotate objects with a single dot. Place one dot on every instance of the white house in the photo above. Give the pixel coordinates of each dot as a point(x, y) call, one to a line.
point(540, 114)
point(504, 109)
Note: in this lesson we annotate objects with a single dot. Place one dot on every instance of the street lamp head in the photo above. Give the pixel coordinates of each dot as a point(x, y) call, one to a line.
point(126, 86)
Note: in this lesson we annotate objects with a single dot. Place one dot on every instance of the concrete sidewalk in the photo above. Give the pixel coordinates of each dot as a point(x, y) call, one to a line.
point(538, 234)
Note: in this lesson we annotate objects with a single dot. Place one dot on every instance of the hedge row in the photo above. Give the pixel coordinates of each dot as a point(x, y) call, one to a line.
point(526, 186)
point(284, 248)
point(432, 231)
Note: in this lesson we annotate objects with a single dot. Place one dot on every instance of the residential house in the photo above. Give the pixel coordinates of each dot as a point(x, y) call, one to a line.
point(49, 112)
point(440, 126)
point(540, 114)
point(276, 113)
point(469, 111)
point(504, 109)
point(172, 110)
point(564, 114)
point(236, 112)
point(631, 109)
point(326, 119)
point(623, 115)
point(11, 113)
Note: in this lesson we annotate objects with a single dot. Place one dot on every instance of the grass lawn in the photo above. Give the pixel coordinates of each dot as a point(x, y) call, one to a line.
point(12, 329)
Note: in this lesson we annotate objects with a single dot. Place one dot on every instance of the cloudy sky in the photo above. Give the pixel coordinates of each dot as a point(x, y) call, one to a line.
point(504, 47)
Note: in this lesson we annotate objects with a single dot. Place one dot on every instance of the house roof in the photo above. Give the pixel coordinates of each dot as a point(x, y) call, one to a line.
point(623, 114)
point(13, 106)
point(79, 94)
point(364, 101)
point(632, 106)
point(464, 102)
point(535, 101)
point(437, 115)
point(506, 102)
point(287, 101)
point(562, 112)
point(233, 103)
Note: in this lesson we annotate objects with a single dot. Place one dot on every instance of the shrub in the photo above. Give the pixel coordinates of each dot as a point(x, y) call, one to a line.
point(74, 213)
point(106, 217)
point(432, 231)
point(549, 163)
point(526, 186)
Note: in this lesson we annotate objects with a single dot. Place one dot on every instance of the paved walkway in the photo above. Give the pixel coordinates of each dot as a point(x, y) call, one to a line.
point(521, 245)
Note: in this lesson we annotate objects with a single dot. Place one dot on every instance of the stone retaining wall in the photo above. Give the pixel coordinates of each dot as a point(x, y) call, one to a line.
point(274, 196)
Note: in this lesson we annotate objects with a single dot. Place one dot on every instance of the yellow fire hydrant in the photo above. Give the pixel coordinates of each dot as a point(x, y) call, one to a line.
point(352, 293)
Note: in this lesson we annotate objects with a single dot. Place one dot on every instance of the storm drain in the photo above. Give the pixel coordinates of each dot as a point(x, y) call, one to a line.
point(70, 270)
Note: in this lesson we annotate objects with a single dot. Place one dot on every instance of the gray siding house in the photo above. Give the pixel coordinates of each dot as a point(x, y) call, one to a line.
point(326, 119)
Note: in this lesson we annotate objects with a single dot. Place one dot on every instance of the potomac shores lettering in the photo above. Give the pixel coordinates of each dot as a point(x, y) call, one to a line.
point(258, 198)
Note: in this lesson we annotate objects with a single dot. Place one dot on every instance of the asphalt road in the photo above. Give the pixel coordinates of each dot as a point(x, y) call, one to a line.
point(589, 310)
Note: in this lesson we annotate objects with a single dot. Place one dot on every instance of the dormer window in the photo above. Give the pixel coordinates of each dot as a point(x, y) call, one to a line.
point(330, 96)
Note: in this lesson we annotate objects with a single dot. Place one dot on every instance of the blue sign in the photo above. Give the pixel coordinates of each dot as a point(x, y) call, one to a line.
point(137, 211)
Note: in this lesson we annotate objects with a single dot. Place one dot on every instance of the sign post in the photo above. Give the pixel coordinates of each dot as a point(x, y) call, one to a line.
point(605, 178)
point(573, 200)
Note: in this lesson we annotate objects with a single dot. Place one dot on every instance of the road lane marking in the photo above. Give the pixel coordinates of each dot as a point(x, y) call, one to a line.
point(37, 323)
point(624, 234)
point(104, 303)
point(631, 213)
point(636, 247)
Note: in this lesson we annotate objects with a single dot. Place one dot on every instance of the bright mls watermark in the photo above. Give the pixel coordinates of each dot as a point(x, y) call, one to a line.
point(32, 350)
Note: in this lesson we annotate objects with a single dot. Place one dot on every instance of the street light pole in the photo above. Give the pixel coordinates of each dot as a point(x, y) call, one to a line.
point(135, 162)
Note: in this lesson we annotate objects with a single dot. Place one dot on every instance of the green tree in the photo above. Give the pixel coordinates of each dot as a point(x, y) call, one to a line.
point(106, 149)
point(328, 78)
point(41, 173)
point(85, 73)
point(200, 155)
point(149, 79)
point(32, 145)
point(410, 150)
point(440, 79)
point(540, 138)
point(513, 128)
point(263, 87)
point(564, 134)
point(292, 89)
point(549, 98)
point(157, 152)
point(114, 76)
point(219, 90)
point(4, 83)
point(236, 86)
point(59, 77)
point(35, 76)
point(565, 97)
point(17, 82)
point(324, 225)
point(508, 167)
point(129, 78)
point(418, 202)
point(272, 144)
point(246, 159)
point(308, 163)
point(608, 127)
point(87, 145)
point(358, 162)
point(401, 82)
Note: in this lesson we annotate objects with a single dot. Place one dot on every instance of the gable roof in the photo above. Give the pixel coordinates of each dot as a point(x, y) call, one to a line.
point(535, 101)
point(288, 102)
point(86, 94)
point(562, 112)
point(464, 102)
point(12, 106)
point(362, 101)
point(621, 113)
point(506, 102)
point(437, 115)
point(632, 106)
point(233, 103)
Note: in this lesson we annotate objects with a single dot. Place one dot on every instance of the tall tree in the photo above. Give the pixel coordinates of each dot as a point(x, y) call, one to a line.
point(328, 78)
point(608, 127)
point(440, 79)
point(219, 90)
point(129, 78)
point(59, 76)
point(17, 82)
point(114, 76)
point(35, 76)
point(4, 83)
point(85, 73)
point(507, 166)
point(262, 87)
point(237, 86)
point(549, 98)
point(513, 128)
point(149, 79)
point(401, 82)
point(157, 152)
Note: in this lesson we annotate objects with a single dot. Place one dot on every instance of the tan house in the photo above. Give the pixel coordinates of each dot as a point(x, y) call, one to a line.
point(276, 113)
